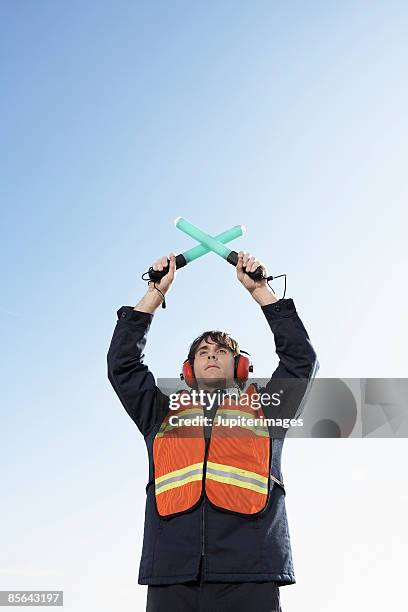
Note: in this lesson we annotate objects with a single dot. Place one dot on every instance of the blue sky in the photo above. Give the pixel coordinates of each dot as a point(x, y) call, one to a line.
point(118, 117)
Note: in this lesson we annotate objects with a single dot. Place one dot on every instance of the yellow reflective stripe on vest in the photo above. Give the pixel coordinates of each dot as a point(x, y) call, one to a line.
point(259, 430)
point(177, 478)
point(230, 474)
point(188, 413)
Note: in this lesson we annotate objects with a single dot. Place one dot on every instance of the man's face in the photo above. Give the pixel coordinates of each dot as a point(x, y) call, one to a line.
point(213, 365)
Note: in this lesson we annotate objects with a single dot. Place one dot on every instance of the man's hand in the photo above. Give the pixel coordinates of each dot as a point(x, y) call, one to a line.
point(153, 298)
point(259, 289)
point(165, 283)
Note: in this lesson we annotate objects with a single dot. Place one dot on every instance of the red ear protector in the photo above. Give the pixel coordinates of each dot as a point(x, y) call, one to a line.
point(242, 367)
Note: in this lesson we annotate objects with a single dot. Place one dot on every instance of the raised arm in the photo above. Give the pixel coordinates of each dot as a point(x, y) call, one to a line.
point(298, 363)
point(131, 379)
point(297, 357)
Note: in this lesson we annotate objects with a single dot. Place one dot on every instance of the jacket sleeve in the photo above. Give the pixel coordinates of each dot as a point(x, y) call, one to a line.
point(131, 379)
point(298, 363)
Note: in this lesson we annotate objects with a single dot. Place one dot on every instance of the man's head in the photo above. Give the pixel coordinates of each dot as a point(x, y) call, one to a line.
point(212, 357)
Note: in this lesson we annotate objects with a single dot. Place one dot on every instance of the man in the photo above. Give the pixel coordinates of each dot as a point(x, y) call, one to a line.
point(214, 539)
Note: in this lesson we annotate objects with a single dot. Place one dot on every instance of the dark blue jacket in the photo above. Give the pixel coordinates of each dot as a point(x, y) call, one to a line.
point(232, 548)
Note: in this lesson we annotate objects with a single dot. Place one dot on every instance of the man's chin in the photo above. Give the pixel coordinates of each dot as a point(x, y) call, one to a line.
point(212, 383)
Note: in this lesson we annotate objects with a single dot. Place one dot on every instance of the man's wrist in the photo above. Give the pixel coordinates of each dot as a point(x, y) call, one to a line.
point(264, 296)
point(150, 302)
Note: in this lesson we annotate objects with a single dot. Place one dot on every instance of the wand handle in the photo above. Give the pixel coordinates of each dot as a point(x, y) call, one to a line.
point(257, 275)
point(157, 275)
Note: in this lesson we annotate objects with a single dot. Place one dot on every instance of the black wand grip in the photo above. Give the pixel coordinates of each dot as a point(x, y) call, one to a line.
point(157, 275)
point(257, 275)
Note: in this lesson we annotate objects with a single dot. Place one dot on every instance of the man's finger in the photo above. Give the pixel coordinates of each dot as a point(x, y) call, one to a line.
point(249, 263)
point(172, 266)
point(254, 265)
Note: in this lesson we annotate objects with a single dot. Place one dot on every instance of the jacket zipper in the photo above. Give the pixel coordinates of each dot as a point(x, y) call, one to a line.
point(203, 502)
point(202, 528)
point(207, 443)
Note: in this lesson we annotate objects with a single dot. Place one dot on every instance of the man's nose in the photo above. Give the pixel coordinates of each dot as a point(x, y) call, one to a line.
point(209, 356)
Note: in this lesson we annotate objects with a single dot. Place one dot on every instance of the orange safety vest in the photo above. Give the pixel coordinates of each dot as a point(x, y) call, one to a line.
point(232, 470)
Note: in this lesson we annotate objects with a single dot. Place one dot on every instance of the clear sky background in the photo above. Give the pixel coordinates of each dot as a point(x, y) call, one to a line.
point(116, 117)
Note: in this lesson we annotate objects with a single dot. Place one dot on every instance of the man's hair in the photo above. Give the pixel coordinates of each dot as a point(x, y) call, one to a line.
point(222, 339)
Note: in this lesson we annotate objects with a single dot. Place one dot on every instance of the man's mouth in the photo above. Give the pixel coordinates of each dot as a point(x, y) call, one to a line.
point(212, 366)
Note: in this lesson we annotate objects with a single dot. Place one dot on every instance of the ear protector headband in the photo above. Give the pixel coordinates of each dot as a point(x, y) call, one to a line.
point(242, 367)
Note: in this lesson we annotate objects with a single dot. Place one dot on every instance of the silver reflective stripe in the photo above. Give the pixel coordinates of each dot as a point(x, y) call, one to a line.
point(178, 479)
point(230, 474)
